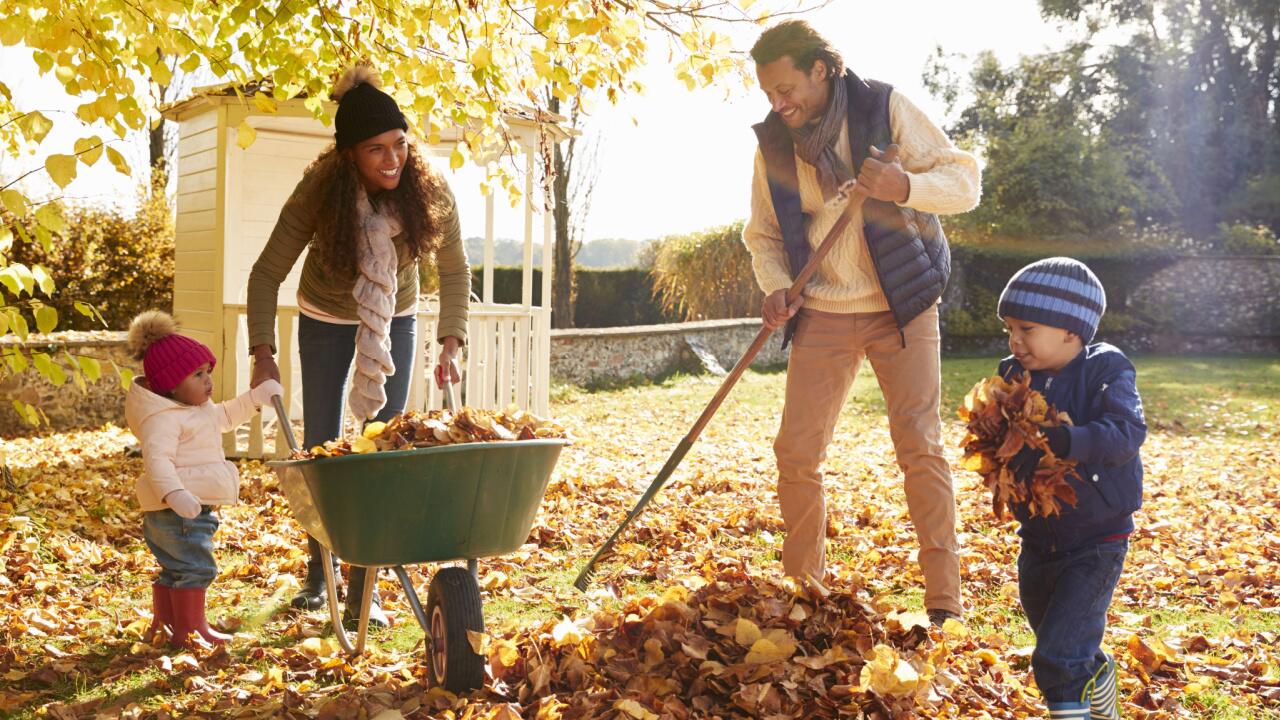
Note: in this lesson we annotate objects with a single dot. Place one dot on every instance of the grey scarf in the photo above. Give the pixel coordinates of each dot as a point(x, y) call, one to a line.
point(816, 143)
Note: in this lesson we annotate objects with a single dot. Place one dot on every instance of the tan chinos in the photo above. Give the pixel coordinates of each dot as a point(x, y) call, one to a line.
point(826, 352)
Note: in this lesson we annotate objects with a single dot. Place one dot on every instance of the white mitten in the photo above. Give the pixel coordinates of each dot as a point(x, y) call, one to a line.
point(183, 503)
point(267, 389)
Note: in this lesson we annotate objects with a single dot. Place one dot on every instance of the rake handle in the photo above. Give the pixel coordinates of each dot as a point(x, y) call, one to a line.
point(793, 293)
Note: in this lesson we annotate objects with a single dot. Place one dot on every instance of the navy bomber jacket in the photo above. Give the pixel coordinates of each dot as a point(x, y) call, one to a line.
point(1098, 389)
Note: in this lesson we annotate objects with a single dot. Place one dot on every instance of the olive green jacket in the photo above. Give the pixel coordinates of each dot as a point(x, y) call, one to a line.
point(294, 231)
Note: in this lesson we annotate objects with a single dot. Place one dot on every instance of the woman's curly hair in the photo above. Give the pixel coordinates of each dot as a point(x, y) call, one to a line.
point(420, 202)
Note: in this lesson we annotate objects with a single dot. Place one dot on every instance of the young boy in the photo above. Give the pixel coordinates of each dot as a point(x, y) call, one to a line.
point(1069, 564)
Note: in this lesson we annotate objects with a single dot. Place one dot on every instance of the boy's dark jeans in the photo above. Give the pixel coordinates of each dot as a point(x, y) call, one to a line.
point(184, 548)
point(1065, 596)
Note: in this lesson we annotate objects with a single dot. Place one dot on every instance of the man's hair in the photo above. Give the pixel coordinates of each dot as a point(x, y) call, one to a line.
point(799, 41)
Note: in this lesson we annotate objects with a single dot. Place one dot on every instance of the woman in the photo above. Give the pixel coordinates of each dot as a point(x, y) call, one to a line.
point(370, 209)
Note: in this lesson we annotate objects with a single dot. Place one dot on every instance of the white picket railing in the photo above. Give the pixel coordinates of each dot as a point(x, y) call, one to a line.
point(506, 361)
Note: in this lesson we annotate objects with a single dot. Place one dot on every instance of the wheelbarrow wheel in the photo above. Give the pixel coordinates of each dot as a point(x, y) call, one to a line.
point(453, 609)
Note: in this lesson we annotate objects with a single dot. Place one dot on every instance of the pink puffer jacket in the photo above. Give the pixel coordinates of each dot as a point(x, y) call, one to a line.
point(182, 446)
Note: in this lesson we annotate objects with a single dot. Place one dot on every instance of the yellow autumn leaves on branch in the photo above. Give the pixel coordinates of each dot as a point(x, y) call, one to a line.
point(476, 66)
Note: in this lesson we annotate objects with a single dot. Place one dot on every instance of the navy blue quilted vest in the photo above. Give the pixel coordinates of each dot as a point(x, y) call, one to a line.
point(908, 248)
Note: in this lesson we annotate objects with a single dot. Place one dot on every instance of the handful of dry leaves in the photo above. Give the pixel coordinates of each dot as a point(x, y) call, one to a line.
point(1003, 417)
point(441, 427)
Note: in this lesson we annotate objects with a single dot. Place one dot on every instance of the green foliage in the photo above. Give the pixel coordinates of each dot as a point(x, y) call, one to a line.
point(706, 275)
point(123, 265)
point(1043, 180)
point(1244, 239)
point(615, 298)
point(1171, 120)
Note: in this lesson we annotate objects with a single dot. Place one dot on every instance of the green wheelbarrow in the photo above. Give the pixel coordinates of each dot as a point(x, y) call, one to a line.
point(403, 507)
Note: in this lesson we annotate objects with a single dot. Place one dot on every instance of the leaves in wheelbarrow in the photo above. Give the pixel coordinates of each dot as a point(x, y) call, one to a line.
point(442, 427)
point(1003, 417)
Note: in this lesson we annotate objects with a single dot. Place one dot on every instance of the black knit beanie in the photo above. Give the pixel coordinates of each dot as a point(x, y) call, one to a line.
point(363, 110)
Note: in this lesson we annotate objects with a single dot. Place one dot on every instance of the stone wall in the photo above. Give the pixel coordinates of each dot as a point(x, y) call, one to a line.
point(606, 355)
point(66, 405)
point(1198, 304)
point(1234, 296)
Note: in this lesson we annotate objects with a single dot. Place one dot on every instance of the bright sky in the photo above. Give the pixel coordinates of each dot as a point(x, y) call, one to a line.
point(675, 161)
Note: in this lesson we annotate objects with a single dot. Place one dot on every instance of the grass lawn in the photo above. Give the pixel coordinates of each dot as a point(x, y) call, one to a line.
point(1193, 624)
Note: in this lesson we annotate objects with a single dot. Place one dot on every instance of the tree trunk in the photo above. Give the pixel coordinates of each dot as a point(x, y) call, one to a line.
point(157, 152)
point(562, 280)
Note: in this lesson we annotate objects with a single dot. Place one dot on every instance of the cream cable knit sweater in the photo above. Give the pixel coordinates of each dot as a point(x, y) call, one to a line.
point(944, 181)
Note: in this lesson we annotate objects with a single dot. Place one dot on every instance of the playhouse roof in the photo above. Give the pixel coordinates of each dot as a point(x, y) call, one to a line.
point(209, 97)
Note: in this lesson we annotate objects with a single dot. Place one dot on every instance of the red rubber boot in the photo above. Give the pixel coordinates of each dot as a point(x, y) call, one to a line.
point(161, 612)
point(188, 617)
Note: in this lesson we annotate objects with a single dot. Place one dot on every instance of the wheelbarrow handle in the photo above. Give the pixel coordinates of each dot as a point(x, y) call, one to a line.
point(286, 427)
point(450, 399)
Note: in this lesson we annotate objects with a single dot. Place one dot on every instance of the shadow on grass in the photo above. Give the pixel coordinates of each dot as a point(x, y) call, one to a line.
point(108, 675)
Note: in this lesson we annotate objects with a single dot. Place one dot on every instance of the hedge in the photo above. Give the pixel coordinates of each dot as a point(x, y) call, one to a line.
point(122, 264)
point(979, 274)
point(606, 298)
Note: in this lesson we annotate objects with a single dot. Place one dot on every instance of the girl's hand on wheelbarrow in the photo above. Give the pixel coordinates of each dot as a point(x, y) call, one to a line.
point(262, 394)
point(448, 363)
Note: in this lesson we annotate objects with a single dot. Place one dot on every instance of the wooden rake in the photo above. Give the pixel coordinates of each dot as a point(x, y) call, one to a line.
point(855, 202)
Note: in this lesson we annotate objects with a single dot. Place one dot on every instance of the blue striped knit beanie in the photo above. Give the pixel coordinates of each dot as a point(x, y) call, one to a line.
point(1058, 292)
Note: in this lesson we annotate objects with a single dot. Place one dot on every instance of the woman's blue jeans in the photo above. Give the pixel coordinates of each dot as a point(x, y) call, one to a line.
point(326, 351)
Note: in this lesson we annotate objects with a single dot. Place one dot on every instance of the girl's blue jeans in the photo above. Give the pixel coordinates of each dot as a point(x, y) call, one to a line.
point(1065, 596)
point(184, 548)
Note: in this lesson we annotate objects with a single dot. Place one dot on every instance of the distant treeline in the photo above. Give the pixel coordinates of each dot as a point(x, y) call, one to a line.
point(604, 253)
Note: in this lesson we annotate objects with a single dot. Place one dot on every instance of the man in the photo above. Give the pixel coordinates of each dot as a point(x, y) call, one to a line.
point(875, 295)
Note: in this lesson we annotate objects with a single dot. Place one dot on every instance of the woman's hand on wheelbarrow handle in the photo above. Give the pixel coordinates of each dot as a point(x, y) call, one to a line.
point(448, 361)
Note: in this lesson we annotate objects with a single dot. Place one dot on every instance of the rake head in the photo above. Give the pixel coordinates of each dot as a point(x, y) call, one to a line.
point(585, 578)
point(588, 573)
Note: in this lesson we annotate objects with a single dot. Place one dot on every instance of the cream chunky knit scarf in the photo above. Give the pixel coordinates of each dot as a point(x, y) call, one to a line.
point(375, 294)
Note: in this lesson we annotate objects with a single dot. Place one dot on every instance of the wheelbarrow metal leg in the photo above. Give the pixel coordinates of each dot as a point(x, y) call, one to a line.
point(474, 566)
point(362, 631)
point(335, 615)
point(412, 596)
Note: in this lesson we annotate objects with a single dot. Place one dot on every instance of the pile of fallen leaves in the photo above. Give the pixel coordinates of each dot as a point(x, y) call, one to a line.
point(739, 646)
point(441, 427)
point(1004, 416)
